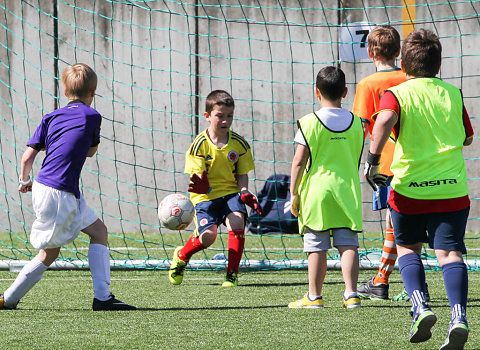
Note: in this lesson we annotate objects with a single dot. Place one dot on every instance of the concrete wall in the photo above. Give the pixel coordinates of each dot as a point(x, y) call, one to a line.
point(147, 60)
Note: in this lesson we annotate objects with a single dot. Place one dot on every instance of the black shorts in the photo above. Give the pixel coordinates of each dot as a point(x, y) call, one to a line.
point(215, 212)
point(444, 231)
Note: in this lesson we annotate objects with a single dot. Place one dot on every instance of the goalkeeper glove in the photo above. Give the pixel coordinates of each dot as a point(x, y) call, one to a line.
point(371, 172)
point(199, 184)
point(250, 199)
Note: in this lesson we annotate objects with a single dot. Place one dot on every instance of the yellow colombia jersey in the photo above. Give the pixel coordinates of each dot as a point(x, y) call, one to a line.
point(221, 164)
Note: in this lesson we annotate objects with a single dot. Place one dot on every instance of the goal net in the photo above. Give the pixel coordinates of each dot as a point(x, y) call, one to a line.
point(156, 61)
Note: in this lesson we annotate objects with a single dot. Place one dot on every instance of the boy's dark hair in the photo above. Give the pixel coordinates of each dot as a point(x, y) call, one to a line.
point(331, 82)
point(218, 98)
point(384, 42)
point(78, 80)
point(422, 53)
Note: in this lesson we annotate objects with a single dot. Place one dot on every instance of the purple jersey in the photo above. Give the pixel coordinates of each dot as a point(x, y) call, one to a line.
point(67, 135)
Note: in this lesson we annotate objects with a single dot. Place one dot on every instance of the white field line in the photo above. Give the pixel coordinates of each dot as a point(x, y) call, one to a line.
point(158, 248)
point(245, 277)
point(213, 248)
point(245, 265)
point(173, 248)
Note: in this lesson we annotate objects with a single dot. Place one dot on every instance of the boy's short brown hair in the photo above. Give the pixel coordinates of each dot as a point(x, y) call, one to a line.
point(78, 80)
point(384, 42)
point(422, 53)
point(331, 83)
point(218, 98)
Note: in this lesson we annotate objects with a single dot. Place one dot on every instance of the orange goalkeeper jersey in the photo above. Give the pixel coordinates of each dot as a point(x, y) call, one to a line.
point(367, 99)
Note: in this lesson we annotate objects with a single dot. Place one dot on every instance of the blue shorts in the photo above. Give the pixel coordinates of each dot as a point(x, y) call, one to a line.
point(380, 197)
point(444, 231)
point(215, 212)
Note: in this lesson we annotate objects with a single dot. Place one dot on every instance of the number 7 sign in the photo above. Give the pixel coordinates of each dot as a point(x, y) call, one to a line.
point(352, 40)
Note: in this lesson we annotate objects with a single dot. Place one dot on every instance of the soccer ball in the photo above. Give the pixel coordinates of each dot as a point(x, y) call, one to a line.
point(176, 211)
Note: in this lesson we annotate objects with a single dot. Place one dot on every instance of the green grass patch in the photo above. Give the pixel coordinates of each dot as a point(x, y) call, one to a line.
point(199, 314)
point(156, 246)
point(140, 247)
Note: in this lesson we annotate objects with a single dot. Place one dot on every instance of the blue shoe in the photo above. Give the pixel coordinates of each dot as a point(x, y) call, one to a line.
point(457, 334)
point(423, 319)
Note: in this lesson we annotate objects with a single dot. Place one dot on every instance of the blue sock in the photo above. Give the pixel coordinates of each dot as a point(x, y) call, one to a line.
point(413, 276)
point(455, 278)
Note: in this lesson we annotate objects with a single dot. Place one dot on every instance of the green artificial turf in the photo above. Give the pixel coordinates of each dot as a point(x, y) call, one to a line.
point(200, 314)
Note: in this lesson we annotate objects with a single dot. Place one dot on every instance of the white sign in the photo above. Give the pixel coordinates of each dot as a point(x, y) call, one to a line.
point(353, 41)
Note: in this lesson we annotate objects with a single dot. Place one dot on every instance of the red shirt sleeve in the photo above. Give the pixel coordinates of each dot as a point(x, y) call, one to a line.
point(467, 124)
point(389, 102)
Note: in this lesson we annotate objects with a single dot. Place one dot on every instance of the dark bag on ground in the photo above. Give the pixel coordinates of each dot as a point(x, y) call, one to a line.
point(274, 197)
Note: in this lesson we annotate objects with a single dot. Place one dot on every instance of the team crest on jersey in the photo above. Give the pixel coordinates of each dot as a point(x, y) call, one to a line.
point(203, 222)
point(232, 156)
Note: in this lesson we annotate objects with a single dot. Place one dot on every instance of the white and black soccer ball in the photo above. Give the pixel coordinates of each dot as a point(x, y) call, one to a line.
point(176, 211)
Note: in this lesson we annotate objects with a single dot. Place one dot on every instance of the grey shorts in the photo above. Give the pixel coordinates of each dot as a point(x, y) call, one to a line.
point(315, 241)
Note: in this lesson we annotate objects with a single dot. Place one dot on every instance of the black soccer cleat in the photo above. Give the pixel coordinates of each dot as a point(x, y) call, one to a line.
point(111, 304)
point(368, 290)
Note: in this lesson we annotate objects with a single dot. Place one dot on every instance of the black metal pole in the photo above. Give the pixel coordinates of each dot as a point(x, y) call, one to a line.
point(197, 70)
point(55, 53)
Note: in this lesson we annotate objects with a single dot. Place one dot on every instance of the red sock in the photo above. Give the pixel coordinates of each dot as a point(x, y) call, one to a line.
point(192, 246)
point(389, 256)
point(236, 243)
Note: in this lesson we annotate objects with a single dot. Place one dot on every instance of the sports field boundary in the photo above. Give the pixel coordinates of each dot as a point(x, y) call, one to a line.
point(245, 265)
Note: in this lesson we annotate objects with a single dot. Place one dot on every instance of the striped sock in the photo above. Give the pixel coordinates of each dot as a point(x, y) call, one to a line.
point(458, 311)
point(389, 256)
point(417, 298)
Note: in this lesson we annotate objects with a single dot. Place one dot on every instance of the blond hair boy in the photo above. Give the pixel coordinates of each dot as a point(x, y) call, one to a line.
point(68, 135)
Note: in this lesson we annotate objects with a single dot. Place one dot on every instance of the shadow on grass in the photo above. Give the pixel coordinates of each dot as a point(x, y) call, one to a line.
point(269, 284)
point(214, 308)
point(280, 284)
point(434, 304)
point(366, 304)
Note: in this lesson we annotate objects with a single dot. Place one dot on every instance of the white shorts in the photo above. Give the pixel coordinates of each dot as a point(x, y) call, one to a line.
point(60, 217)
point(315, 241)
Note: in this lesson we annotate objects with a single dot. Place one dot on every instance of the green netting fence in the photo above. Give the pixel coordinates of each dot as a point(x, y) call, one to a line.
point(156, 62)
